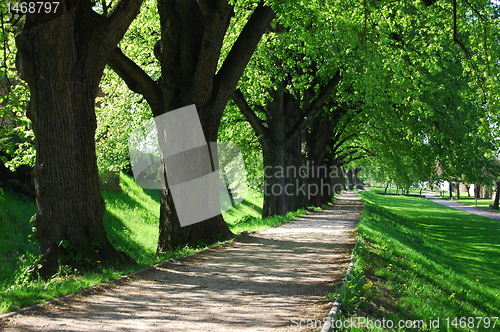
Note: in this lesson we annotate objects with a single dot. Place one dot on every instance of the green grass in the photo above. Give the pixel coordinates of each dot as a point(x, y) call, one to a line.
point(17, 246)
point(426, 261)
point(393, 190)
point(251, 206)
point(131, 221)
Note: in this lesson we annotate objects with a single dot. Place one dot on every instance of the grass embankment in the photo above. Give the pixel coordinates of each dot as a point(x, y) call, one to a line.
point(422, 262)
point(131, 221)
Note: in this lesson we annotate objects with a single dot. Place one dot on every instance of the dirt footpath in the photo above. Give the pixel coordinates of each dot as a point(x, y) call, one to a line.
point(266, 281)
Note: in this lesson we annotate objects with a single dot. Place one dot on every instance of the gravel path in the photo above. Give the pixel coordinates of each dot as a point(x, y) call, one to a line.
point(466, 208)
point(265, 281)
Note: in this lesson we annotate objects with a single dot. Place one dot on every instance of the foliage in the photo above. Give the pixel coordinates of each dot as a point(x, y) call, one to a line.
point(235, 129)
point(17, 246)
point(423, 88)
point(16, 136)
point(119, 111)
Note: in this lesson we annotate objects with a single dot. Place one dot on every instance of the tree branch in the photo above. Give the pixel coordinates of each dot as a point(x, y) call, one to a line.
point(217, 17)
point(205, 7)
point(314, 107)
point(249, 114)
point(231, 70)
point(351, 154)
point(136, 79)
point(115, 25)
point(462, 45)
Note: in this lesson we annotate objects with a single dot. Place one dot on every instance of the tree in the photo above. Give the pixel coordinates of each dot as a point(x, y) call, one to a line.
point(194, 71)
point(62, 55)
point(285, 118)
point(286, 85)
point(429, 96)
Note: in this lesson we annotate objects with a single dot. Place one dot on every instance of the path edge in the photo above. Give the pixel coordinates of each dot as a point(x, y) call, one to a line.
point(329, 320)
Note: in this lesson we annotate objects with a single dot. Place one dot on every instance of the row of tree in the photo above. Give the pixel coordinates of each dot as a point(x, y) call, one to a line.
point(407, 87)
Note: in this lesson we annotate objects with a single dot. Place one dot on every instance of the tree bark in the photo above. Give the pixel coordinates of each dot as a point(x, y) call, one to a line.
point(190, 48)
point(62, 57)
point(280, 135)
point(477, 191)
point(323, 142)
point(275, 195)
point(497, 196)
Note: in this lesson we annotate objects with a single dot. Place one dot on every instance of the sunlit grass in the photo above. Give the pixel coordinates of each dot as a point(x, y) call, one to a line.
point(131, 220)
point(251, 206)
point(427, 260)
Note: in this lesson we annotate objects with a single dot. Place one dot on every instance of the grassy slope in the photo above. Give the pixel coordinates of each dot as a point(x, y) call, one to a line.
point(426, 260)
point(131, 221)
point(17, 246)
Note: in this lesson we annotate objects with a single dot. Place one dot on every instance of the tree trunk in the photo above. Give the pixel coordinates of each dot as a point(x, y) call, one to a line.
point(351, 179)
point(458, 190)
point(62, 58)
point(497, 196)
point(275, 190)
point(486, 191)
point(172, 234)
point(297, 173)
point(69, 218)
point(468, 189)
point(189, 53)
point(295, 184)
point(477, 191)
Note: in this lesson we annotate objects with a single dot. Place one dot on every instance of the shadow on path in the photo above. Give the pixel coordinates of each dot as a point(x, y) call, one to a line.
point(264, 281)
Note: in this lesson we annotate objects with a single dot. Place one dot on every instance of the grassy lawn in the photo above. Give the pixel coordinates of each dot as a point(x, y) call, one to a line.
point(483, 203)
point(131, 221)
point(394, 190)
point(423, 261)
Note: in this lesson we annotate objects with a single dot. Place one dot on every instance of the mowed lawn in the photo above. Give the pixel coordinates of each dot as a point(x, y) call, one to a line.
point(426, 261)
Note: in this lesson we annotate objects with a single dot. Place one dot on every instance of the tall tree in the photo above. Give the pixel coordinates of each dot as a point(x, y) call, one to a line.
point(278, 134)
point(195, 70)
point(429, 99)
point(289, 80)
point(62, 55)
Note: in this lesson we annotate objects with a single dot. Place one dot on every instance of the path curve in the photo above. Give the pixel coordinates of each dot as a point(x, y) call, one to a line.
point(265, 281)
point(462, 207)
